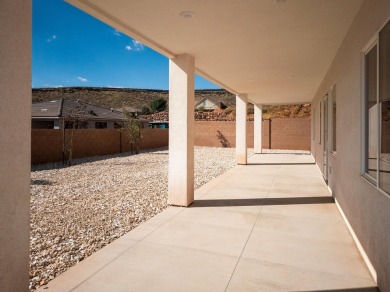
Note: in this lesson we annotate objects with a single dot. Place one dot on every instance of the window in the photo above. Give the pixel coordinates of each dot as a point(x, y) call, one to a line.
point(313, 127)
point(100, 125)
point(320, 134)
point(334, 119)
point(371, 112)
point(42, 124)
point(377, 111)
point(384, 105)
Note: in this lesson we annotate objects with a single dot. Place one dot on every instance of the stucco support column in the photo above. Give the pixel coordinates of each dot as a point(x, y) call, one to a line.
point(257, 128)
point(15, 143)
point(181, 130)
point(241, 124)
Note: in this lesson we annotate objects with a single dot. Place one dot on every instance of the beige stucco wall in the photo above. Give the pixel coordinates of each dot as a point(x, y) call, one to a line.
point(15, 121)
point(367, 210)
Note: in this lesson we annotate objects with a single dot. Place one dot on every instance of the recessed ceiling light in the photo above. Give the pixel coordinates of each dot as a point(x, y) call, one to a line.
point(280, 1)
point(187, 14)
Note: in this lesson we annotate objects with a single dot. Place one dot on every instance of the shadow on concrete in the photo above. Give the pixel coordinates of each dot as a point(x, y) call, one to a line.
point(279, 153)
point(309, 163)
point(262, 202)
point(362, 289)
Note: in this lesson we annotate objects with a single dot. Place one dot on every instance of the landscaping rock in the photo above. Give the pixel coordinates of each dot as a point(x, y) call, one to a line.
point(77, 210)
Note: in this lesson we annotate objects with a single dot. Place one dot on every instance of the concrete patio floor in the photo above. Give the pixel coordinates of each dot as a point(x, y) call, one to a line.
point(271, 225)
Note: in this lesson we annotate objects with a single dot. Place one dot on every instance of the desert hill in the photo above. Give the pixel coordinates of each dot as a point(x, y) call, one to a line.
point(136, 98)
point(119, 97)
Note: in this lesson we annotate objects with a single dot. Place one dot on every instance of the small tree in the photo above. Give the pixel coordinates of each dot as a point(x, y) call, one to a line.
point(228, 110)
point(201, 109)
point(146, 110)
point(133, 128)
point(75, 118)
point(158, 104)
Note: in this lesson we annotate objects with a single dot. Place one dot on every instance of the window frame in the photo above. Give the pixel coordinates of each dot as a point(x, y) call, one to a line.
point(102, 125)
point(332, 122)
point(374, 41)
point(320, 129)
point(313, 127)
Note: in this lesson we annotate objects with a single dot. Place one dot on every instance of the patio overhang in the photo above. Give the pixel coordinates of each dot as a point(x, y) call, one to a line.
point(276, 52)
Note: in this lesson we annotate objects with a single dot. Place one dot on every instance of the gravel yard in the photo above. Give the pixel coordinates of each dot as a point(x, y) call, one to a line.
point(77, 210)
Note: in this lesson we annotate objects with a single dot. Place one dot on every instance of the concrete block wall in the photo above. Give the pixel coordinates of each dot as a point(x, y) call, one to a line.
point(95, 142)
point(151, 138)
point(47, 145)
point(292, 134)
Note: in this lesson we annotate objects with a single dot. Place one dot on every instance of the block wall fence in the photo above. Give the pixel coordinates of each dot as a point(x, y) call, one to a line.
point(46, 145)
point(290, 134)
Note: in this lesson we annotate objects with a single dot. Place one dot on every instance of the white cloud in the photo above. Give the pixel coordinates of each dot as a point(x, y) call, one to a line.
point(117, 32)
point(52, 85)
point(52, 38)
point(82, 79)
point(114, 86)
point(135, 46)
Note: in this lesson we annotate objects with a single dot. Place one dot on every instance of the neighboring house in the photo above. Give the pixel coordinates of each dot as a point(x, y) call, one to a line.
point(50, 115)
point(209, 104)
point(159, 125)
point(133, 111)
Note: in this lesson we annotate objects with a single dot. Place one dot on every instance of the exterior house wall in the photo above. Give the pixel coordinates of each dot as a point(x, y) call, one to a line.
point(57, 124)
point(15, 120)
point(365, 207)
point(43, 124)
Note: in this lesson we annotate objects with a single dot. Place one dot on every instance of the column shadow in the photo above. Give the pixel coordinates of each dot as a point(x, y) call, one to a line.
point(261, 202)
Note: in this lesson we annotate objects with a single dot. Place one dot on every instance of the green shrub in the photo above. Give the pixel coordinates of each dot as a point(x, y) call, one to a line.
point(201, 108)
point(158, 104)
point(228, 110)
point(146, 110)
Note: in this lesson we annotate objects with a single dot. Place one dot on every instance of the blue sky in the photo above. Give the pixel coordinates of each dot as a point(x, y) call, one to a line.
point(71, 48)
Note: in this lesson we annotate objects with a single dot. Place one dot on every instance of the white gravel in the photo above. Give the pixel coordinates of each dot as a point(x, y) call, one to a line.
point(77, 210)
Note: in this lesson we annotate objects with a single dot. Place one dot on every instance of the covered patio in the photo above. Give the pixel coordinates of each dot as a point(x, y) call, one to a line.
point(276, 221)
point(269, 225)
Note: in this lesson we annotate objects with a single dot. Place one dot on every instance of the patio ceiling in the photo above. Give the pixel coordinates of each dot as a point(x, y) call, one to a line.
point(276, 51)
